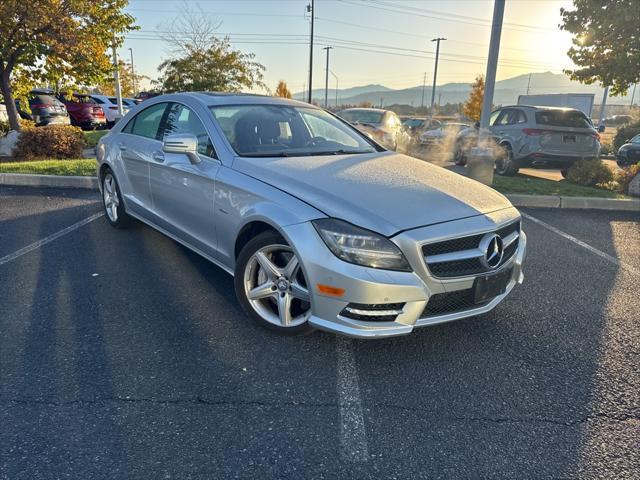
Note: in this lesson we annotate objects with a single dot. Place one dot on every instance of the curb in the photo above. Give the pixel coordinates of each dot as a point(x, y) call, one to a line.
point(518, 200)
point(583, 203)
point(32, 180)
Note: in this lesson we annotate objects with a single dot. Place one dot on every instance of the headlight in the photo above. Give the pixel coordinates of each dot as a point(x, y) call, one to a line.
point(362, 247)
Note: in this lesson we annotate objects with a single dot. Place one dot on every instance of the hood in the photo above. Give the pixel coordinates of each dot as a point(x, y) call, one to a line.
point(384, 192)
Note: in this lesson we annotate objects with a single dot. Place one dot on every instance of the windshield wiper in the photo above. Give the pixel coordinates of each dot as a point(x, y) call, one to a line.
point(266, 155)
point(343, 152)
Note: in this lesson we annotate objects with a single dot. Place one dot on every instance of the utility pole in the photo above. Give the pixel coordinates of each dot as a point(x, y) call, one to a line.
point(424, 82)
point(326, 80)
point(116, 78)
point(311, 9)
point(336, 77)
point(633, 95)
point(435, 72)
point(528, 84)
point(133, 73)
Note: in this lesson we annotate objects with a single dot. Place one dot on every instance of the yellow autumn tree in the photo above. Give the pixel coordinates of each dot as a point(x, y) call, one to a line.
point(282, 90)
point(473, 106)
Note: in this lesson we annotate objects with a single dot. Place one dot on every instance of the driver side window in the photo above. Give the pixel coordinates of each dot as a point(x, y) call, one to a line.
point(181, 119)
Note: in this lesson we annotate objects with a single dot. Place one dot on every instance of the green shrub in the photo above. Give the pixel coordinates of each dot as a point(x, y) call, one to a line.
point(625, 133)
point(52, 141)
point(605, 149)
point(590, 173)
point(624, 177)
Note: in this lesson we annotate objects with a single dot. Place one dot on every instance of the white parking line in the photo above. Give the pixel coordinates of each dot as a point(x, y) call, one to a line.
point(353, 438)
point(50, 238)
point(600, 253)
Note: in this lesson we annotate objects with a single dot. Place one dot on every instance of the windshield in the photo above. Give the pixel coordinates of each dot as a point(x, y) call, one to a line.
point(283, 130)
point(362, 116)
point(635, 139)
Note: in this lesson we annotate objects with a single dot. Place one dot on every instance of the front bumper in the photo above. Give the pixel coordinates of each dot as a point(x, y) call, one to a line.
point(371, 286)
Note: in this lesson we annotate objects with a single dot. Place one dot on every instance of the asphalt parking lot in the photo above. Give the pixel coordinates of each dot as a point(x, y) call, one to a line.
point(124, 355)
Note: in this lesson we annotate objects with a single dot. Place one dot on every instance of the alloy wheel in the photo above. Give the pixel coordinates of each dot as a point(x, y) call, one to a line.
point(275, 286)
point(110, 197)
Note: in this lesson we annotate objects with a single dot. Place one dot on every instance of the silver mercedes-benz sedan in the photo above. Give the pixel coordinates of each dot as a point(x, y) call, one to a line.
point(320, 226)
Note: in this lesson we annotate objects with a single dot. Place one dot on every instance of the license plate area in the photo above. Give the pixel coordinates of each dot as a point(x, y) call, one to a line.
point(491, 285)
point(569, 139)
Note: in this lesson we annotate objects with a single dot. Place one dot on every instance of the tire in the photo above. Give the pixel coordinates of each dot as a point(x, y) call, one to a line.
point(265, 267)
point(112, 201)
point(505, 165)
point(459, 157)
point(564, 172)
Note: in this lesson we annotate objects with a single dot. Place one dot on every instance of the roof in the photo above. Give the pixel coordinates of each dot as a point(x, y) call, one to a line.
point(239, 98)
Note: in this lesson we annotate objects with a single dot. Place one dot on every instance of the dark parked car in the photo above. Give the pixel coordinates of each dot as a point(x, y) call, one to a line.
point(84, 111)
point(629, 153)
point(44, 109)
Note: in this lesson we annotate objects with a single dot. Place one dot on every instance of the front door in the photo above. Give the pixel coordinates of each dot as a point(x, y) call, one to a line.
point(183, 192)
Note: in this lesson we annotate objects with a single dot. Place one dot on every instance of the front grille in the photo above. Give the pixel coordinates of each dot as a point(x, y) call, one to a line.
point(466, 266)
point(451, 302)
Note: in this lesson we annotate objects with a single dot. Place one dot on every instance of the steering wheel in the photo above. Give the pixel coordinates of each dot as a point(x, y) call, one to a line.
point(315, 141)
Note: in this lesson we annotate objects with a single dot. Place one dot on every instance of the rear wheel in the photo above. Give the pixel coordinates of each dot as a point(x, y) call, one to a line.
point(271, 287)
point(504, 163)
point(459, 158)
point(112, 201)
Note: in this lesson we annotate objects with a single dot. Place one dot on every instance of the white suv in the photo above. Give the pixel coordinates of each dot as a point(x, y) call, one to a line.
point(110, 108)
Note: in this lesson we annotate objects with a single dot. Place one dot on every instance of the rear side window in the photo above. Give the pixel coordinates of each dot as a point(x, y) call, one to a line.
point(147, 122)
point(562, 118)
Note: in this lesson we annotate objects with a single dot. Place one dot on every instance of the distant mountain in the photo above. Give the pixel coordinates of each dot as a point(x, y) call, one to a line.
point(506, 92)
point(347, 92)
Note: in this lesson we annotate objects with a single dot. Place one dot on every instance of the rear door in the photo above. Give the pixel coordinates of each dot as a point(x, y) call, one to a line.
point(138, 142)
point(183, 192)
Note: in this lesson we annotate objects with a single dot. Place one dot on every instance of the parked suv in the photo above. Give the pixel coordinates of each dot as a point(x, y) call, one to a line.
point(45, 109)
point(84, 111)
point(544, 137)
point(110, 108)
point(383, 126)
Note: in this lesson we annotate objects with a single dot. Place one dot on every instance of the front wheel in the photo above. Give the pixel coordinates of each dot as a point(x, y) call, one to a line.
point(271, 287)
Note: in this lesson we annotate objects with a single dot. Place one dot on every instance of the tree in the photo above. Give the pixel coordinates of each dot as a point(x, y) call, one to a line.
point(55, 39)
point(472, 108)
point(201, 61)
point(365, 105)
point(606, 42)
point(282, 90)
point(127, 83)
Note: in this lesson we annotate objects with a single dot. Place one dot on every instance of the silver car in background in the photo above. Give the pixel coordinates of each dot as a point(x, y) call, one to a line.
point(543, 137)
point(320, 227)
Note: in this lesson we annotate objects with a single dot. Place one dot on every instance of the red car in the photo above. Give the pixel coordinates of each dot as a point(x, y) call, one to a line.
point(84, 111)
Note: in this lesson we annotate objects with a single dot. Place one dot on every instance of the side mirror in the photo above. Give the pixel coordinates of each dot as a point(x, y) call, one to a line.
point(185, 143)
point(601, 128)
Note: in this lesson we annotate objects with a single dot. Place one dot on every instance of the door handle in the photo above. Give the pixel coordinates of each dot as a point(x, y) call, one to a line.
point(158, 156)
point(122, 147)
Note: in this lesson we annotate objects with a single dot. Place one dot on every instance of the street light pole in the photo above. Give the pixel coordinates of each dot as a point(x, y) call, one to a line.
point(311, 9)
point(492, 64)
point(336, 77)
point(424, 82)
point(326, 80)
point(116, 77)
point(435, 72)
point(133, 73)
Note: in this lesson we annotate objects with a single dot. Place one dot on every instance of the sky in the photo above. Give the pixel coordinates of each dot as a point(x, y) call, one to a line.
point(383, 42)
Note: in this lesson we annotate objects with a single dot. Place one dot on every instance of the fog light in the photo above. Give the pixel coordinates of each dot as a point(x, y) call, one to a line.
point(381, 312)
